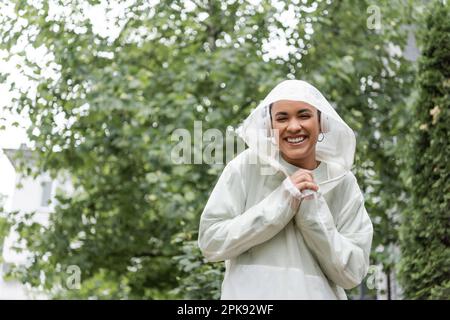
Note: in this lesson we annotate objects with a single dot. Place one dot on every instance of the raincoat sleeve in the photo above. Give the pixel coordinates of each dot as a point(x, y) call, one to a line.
point(342, 248)
point(227, 229)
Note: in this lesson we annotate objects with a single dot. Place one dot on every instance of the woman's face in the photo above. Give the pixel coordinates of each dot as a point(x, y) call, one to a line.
point(298, 129)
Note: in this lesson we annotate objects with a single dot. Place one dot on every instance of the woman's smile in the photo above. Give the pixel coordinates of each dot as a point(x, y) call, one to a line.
point(296, 140)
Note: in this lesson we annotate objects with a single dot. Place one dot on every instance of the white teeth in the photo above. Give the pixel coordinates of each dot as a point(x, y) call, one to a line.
point(295, 140)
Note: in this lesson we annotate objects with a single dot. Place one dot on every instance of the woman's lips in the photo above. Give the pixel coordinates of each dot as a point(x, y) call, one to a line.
point(296, 141)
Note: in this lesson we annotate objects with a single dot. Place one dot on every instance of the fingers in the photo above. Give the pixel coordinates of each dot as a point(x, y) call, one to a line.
point(303, 180)
point(301, 175)
point(307, 185)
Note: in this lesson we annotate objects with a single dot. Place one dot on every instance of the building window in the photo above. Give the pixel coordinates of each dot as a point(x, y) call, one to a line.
point(5, 267)
point(46, 193)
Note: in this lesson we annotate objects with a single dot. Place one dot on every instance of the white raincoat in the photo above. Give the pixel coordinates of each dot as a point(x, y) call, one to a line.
point(277, 244)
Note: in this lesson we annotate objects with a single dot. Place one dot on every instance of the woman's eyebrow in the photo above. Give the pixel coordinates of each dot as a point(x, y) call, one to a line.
point(283, 113)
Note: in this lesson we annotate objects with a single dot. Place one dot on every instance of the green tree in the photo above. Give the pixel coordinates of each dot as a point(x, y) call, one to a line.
point(106, 105)
point(425, 242)
point(105, 109)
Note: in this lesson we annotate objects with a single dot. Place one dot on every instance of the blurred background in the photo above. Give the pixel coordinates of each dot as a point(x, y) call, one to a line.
point(92, 205)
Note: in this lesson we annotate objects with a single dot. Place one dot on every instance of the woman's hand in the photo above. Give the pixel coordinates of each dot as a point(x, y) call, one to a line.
point(303, 179)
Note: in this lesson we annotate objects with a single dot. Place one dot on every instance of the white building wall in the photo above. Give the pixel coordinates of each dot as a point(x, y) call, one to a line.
point(26, 199)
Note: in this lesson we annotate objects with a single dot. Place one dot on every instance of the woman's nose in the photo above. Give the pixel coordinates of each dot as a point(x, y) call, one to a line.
point(294, 125)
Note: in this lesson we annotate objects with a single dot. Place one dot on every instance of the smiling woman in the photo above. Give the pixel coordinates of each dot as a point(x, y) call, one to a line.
point(301, 232)
point(297, 125)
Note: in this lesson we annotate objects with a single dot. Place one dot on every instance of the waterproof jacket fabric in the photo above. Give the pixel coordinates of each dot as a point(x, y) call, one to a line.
point(277, 243)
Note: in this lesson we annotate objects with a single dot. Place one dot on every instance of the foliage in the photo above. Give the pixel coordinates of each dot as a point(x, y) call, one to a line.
point(106, 104)
point(199, 279)
point(425, 242)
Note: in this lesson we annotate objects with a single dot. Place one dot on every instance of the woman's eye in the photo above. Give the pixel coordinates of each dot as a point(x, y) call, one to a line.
point(305, 116)
point(281, 119)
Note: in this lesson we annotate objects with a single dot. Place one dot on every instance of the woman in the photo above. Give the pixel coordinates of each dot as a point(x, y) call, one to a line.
point(299, 230)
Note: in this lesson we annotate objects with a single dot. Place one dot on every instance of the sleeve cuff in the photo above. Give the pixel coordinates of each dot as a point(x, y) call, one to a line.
point(294, 191)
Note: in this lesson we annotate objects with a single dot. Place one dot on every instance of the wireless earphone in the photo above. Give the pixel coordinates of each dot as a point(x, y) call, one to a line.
point(324, 123)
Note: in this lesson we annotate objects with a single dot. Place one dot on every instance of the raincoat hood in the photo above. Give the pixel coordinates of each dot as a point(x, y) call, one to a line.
point(337, 149)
